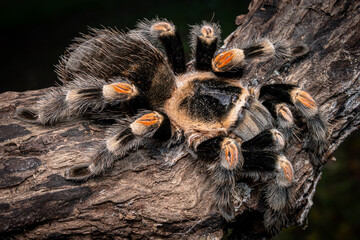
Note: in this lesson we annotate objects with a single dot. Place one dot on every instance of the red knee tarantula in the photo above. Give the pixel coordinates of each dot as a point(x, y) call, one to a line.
point(205, 108)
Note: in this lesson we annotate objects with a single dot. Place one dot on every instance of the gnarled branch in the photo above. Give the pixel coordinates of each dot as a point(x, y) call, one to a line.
point(142, 197)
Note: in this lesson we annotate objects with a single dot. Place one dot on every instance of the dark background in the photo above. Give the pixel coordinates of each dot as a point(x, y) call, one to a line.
point(35, 33)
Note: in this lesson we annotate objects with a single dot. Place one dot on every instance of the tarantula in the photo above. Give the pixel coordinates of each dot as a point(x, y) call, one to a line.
point(205, 108)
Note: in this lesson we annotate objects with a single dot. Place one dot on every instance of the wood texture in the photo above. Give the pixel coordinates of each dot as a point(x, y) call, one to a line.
point(142, 197)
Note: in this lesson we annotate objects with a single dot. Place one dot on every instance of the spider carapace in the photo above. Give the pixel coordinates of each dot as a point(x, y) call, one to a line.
point(202, 107)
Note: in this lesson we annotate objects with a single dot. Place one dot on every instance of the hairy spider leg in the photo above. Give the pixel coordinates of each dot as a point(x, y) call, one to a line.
point(261, 153)
point(259, 157)
point(228, 159)
point(308, 108)
point(81, 95)
point(123, 138)
point(205, 39)
point(163, 31)
point(278, 192)
point(232, 60)
point(263, 159)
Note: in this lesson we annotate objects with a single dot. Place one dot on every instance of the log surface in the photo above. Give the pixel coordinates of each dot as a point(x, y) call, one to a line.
point(141, 196)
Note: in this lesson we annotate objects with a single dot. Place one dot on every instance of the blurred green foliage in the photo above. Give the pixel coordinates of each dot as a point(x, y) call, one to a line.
point(36, 33)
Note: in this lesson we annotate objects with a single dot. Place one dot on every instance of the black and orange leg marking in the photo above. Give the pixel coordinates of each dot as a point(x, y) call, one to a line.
point(230, 154)
point(228, 160)
point(204, 41)
point(81, 96)
point(119, 91)
point(263, 158)
point(232, 60)
point(305, 104)
point(123, 138)
point(229, 61)
point(279, 194)
point(147, 124)
point(280, 50)
point(256, 157)
point(290, 94)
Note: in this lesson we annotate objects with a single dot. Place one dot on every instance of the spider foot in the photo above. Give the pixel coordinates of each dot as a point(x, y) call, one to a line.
point(78, 173)
point(317, 140)
point(26, 114)
point(102, 160)
point(227, 210)
point(225, 189)
point(52, 108)
point(279, 196)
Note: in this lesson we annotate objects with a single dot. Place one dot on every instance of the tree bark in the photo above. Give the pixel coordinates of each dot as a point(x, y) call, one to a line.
point(141, 196)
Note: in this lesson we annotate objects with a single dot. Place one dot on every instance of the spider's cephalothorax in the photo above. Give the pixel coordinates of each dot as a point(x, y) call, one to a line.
point(198, 108)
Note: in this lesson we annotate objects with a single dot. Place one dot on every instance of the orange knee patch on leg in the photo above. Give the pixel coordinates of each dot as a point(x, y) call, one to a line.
point(306, 99)
point(149, 119)
point(119, 90)
point(164, 28)
point(124, 88)
point(230, 154)
point(286, 172)
point(278, 138)
point(284, 112)
point(146, 123)
point(286, 167)
point(228, 59)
